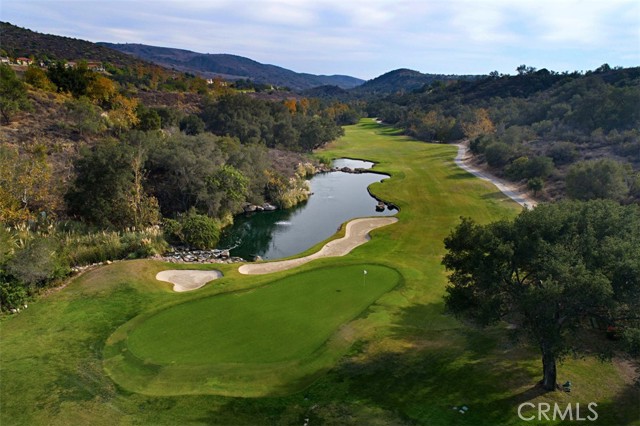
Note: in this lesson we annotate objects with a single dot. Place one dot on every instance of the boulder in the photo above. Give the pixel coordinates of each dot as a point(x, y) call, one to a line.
point(269, 207)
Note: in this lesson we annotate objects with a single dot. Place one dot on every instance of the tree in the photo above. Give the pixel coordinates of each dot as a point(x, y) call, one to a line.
point(38, 262)
point(27, 187)
point(549, 272)
point(535, 184)
point(36, 77)
point(232, 185)
point(101, 90)
point(597, 179)
point(539, 167)
point(144, 208)
point(192, 125)
point(123, 113)
point(563, 153)
point(200, 231)
point(479, 124)
point(87, 116)
point(524, 70)
point(149, 119)
point(13, 94)
point(108, 191)
point(169, 117)
point(180, 172)
point(74, 80)
point(498, 154)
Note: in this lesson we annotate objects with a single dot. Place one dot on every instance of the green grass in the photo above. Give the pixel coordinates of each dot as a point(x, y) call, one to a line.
point(404, 361)
point(247, 334)
point(284, 320)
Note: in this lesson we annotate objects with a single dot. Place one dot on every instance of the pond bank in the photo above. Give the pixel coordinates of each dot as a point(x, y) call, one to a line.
point(356, 234)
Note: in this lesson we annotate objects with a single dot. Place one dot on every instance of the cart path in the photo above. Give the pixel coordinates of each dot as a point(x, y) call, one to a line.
point(463, 160)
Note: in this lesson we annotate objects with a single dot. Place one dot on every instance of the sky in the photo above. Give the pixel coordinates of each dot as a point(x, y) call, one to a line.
point(361, 38)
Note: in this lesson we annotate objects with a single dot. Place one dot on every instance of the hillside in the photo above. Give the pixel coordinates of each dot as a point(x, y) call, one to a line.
point(232, 67)
point(326, 92)
point(539, 128)
point(16, 41)
point(404, 80)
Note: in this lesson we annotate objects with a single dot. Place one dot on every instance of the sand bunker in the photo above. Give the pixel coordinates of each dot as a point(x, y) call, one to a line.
point(356, 234)
point(187, 280)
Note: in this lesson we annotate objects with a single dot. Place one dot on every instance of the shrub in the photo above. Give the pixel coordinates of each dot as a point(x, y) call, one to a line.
point(535, 184)
point(479, 144)
point(563, 153)
point(92, 248)
point(518, 168)
point(498, 154)
point(85, 249)
point(172, 230)
point(12, 294)
point(539, 167)
point(138, 245)
point(192, 125)
point(597, 179)
point(201, 232)
point(38, 262)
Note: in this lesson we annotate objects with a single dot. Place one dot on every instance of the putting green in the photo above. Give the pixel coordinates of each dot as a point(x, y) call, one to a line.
point(250, 336)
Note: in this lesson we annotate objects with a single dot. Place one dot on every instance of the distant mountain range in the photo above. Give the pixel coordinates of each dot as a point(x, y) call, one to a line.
point(16, 41)
point(232, 67)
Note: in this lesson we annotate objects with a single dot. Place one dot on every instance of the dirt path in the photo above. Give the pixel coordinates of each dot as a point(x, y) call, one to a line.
point(356, 234)
point(463, 160)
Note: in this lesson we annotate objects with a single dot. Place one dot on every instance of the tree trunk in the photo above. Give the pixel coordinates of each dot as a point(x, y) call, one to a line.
point(548, 369)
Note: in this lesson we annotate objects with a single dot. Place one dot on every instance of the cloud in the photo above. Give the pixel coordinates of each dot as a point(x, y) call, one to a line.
point(359, 37)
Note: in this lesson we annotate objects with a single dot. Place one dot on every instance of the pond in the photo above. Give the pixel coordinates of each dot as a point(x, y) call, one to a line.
point(337, 197)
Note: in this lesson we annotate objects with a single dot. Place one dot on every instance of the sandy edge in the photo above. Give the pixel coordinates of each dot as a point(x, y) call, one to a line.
point(356, 234)
point(463, 160)
point(187, 279)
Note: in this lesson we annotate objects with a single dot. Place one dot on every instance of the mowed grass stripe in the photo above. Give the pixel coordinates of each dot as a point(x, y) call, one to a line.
point(288, 319)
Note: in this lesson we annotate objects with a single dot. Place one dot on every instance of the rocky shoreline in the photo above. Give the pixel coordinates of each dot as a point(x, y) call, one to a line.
point(186, 255)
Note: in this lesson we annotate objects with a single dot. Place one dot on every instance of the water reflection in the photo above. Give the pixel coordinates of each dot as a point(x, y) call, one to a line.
point(337, 197)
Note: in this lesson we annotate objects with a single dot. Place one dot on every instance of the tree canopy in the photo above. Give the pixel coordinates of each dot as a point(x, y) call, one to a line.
point(553, 271)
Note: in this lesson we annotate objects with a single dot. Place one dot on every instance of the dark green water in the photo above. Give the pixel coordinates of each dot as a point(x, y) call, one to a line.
point(337, 197)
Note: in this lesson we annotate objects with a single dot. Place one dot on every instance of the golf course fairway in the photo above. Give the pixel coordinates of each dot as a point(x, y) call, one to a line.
point(277, 326)
point(118, 347)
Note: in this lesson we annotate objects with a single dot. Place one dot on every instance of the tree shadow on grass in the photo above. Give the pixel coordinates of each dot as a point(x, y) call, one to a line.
point(623, 409)
point(441, 368)
point(497, 195)
point(383, 129)
point(461, 175)
point(436, 365)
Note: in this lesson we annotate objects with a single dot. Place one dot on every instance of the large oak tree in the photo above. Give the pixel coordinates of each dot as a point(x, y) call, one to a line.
point(551, 272)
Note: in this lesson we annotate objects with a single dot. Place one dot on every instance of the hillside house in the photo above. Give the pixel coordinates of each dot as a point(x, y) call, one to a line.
point(4, 60)
point(95, 66)
point(23, 61)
